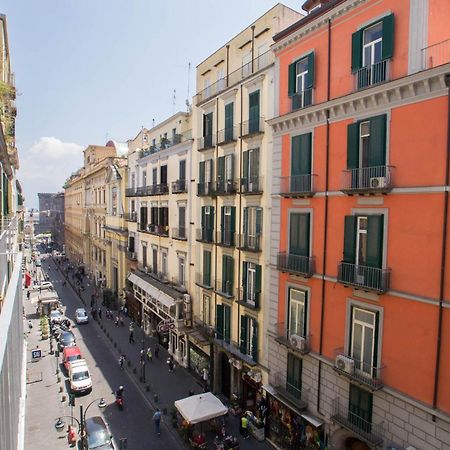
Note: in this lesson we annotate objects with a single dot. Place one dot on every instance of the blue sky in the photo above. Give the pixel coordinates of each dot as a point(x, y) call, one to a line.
point(92, 70)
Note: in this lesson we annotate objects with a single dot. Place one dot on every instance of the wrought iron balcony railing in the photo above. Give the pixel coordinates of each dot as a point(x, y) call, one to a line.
point(364, 277)
point(292, 339)
point(369, 432)
point(252, 185)
point(132, 256)
point(130, 192)
point(249, 243)
point(359, 371)
point(206, 142)
point(226, 238)
point(179, 233)
point(226, 187)
point(165, 142)
point(204, 280)
point(225, 288)
point(301, 100)
point(436, 54)
point(227, 135)
point(236, 349)
point(372, 75)
point(162, 189)
point(206, 189)
point(130, 217)
point(297, 186)
point(253, 126)
point(289, 389)
point(295, 264)
point(142, 226)
point(367, 179)
point(248, 298)
point(179, 186)
point(205, 235)
point(160, 230)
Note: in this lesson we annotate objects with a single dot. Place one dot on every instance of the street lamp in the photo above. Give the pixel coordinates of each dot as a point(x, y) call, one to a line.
point(143, 355)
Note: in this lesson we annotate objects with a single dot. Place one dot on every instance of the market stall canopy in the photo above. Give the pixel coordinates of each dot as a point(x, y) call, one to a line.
point(201, 407)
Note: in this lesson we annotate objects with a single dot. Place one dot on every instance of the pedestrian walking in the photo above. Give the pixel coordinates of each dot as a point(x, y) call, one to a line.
point(117, 321)
point(142, 355)
point(28, 295)
point(170, 363)
point(121, 321)
point(149, 354)
point(156, 351)
point(244, 426)
point(205, 378)
point(157, 421)
point(100, 313)
point(131, 337)
point(121, 361)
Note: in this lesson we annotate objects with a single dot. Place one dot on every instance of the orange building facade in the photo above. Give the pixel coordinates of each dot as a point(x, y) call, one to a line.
point(359, 314)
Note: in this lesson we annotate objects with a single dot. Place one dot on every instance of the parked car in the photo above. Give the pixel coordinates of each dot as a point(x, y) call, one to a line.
point(66, 339)
point(56, 316)
point(97, 435)
point(80, 377)
point(70, 354)
point(43, 285)
point(38, 263)
point(81, 316)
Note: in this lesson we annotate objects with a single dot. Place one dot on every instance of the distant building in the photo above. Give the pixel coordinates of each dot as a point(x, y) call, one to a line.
point(45, 206)
point(57, 220)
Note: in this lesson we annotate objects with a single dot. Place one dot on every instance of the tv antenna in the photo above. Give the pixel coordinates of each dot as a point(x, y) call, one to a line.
point(174, 100)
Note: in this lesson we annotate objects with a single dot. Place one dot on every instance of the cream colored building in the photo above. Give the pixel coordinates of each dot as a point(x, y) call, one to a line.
point(159, 213)
point(232, 168)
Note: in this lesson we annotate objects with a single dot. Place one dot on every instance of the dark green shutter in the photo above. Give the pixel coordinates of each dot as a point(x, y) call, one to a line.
point(258, 285)
point(301, 154)
point(350, 239)
point(259, 212)
point(304, 234)
point(245, 224)
point(374, 252)
point(203, 218)
point(233, 224)
point(219, 321)
point(254, 168)
point(229, 121)
point(295, 156)
point(377, 152)
point(221, 169)
point(227, 317)
point(211, 219)
point(243, 340)
point(222, 224)
point(244, 280)
point(201, 175)
point(206, 268)
point(310, 75)
point(253, 112)
point(357, 51)
point(387, 46)
point(294, 375)
point(245, 173)
point(254, 354)
point(299, 234)
point(292, 85)
point(230, 275)
point(353, 146)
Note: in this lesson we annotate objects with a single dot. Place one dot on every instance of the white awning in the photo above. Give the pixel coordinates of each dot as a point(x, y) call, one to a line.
point(201, 407)
point(160, 296)
point(313, 420)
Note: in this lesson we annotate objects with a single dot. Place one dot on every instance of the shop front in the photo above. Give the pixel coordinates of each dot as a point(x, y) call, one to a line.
point(198, 361)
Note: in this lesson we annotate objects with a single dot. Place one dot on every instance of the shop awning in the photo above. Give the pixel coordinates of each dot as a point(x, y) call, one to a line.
point(313, 420)
point(157, 294)
point(201, 407)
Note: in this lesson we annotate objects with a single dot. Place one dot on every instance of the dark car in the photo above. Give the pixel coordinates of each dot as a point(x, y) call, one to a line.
point(66, 339)
point(98, 435)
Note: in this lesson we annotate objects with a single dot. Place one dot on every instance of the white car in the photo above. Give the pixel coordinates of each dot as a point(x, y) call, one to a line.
point(56, 316)
point(80, 377)
point(81, 316)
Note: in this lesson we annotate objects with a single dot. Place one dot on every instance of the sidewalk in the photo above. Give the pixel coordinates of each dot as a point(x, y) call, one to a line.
point(162, 388)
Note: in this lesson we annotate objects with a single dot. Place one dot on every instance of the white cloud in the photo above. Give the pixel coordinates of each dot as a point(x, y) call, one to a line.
point(46, 165)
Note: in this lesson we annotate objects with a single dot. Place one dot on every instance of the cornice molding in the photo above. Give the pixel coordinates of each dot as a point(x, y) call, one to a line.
point(421, 86)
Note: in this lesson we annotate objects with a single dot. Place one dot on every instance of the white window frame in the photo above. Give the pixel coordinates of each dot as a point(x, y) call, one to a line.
point(371, 45)
point(360, 232)
point(182, 270)
point(297, 304)
point(365, 328)
point(251, 284)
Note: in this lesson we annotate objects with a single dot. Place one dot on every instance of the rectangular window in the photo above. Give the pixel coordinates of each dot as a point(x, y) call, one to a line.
point(144, 255)
point(206, 268)
point(360, 408)
point(251, 283)
point(223, 322)
point(252, 227)
point(182, 222)
point(131, 241)
point(253, 112)
point(144, 178)
point(182, 270)
point(294, 376)
point(297, 313)
point(206, 309)
point(155, 260)
point(250, 171)
point(299, 234)
point(228, 225)
point(249, 337)
point(163, 171)
point(229, 111)
point(207, 222)
point(301, 156)
point(207, 129)
point(301, 81)
point(182, 170)
point(227, 275)
point(164, 267)
point(155, 176)
point(246, 65)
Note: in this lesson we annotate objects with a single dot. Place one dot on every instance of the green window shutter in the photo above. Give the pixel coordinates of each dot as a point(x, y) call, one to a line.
point(221, 169)
point(232, 168)
point(206, 268)
point(353, 146)
point(294, 374)
point(255, 341)
point(224, 272)
point(357, 51)
point(245, 173)
point(244, 280)
point(219, 321)
point(292, 88)
point(377, 151)
point(295, 156)
point(227, 318)
point(299, 234)
point(233, 220)
point(310, 76)
point(245, 222)
point(253, 113)
point(211, 219)
point(230, 275)
point(257, 285)
point(259, 213)
point(254, 163)
point(201, 175)
point(350, 239)
point(305, 153)
point(229, 116)
point(387, 47)
point(222, 224)
point(374, 251)
point(243, 336)
point(203, 221)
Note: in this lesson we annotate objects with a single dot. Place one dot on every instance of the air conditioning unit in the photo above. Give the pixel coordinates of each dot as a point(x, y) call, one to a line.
point(238, 364)
point(345, 364)
point(298, 342)
point(378, 182)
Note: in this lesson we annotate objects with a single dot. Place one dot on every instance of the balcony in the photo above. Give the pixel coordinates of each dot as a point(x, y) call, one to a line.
point(247, 298)
point(251, 185)
point(297, 186)
point(364, 277)
point(235, 349)
point(132, 256)
point(249, 243)
point(159, 230)
point(369, 432)
point(166, 143)
point(206, 142)
point(436, 55)
point(247, 70)
point(295, 264)
point(291, 340)
point(252, 127)
point(130, 192)
point(130, 217)
point(358, 371)
point(179, 186)
point(367, 180)
point(227, 135)
point(301, 100)
point(206, 330)
point(289, 391)
point(225, 288)
point(179, 233)
point(225, 238)
point(203, 280)
point(226, 187)
point(372, 75)
point(142, 227)
point(206, 189)
point(205, 235)
point(162, 189)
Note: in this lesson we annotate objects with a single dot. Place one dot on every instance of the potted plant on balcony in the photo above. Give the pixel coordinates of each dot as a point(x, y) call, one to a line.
point(164, 143)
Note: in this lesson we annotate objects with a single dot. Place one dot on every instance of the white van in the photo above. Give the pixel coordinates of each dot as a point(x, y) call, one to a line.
point(80, 377)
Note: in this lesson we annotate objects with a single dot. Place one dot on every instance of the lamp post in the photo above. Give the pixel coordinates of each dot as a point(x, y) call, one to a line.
point(143, 355)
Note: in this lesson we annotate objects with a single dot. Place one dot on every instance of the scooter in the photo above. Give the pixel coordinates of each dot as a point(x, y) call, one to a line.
point(119, 401)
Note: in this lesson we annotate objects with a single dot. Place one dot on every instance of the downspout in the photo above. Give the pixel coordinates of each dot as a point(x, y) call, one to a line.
point(228, 63)
point(443, 255)
point(325, 227)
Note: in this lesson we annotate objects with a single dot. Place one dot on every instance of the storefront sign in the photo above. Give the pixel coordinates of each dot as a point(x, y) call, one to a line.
point(36, 354)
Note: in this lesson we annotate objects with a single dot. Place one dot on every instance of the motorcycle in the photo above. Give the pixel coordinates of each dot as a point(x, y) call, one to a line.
point(119, 401)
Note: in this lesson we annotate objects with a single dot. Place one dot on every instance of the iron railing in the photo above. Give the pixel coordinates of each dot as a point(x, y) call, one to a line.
point(366, 430)
point(206, 189)
point(252, 185)
point(132, 256)
point(166, 143)
point(227, 135)
point(358, 370)
point(204, 280)
point(179, 186)
point(142, 226)
point(130, 192)
point(179, 233)
point(259, 63)
point(206, 142)
point(249, 243)
point(372, 75)
point(289, 389)
point(248, 298)
point(367, 278)
point(367, 179)
point(296, 264)
point(130, 217)
point(436, 54)
point(204, 235)
point(236, 349)
point(226, 187)
point(253, 126)
point(302, 99)
point(160, 230)
point(225, 288)
point(297, 185)
point(298, 342)
point(226, 238)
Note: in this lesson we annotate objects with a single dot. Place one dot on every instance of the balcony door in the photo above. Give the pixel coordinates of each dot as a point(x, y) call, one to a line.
point(372, 45)
point(182, 222)
point(297, 313)
point(360, 408)
point(163, 174)
point(301, 163)
point(252, 227)
point(299, 230)
point(251, 170)
point(155, 260)
point(253, 112)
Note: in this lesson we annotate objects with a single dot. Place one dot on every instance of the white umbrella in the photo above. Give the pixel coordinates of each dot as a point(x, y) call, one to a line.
point(201, 407)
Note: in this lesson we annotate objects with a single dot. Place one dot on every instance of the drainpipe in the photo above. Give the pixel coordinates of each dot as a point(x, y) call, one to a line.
point(443, 256)
point(228, 63)
point(325, 228)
